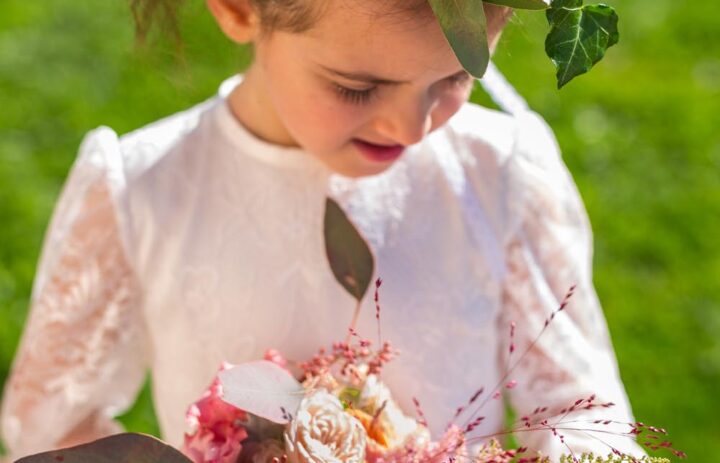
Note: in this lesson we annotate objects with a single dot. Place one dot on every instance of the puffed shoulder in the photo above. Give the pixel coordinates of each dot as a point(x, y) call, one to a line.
point(535, 143)
point(120, 160)
point(99, 156)
point(524, 134)
point(541, 193)
point(99, 166)
point(512, 161)
point(144, 147)
point(125, 157)
point(484, 132)
point(118, 163)
point(536, 174)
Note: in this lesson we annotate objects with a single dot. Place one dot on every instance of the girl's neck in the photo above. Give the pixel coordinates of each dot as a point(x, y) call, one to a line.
point(251, 106)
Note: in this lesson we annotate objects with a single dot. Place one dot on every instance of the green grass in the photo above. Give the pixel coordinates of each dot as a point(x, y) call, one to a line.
point(639, 134)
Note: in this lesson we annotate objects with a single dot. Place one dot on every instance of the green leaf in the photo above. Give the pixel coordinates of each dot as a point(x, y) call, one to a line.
point(121, 448)
point(579, 36)
point(349, 396)
point(349, 256)
point(522, 4)
point(465, 27)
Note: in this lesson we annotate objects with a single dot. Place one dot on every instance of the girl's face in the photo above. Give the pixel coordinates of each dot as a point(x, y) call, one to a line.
point(354, 89)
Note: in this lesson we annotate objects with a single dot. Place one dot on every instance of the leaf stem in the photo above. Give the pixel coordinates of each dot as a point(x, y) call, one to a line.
point(353, 324)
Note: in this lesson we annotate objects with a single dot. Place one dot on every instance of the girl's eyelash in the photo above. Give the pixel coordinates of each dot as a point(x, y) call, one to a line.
point(363, 96)
point(355, 96)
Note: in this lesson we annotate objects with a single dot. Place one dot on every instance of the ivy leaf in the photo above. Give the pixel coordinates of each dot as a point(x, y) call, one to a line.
point(465, 27)
point(347, 251)
point(579, 36)
point(120, 448)
point(522, 4)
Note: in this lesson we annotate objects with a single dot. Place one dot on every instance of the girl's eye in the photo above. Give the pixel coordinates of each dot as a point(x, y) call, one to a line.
point(355, 96)
point(360, 97)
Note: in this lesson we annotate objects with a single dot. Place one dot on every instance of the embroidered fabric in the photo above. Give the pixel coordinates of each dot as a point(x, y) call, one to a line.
point(190, 242)
point(548, 250)
point(82, 356)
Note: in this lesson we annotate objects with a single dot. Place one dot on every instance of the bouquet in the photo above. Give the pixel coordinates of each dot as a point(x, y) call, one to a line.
point(339, 410)
point(334, 407)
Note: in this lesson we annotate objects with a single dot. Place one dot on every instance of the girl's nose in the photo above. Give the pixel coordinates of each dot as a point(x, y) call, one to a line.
point(407, 124)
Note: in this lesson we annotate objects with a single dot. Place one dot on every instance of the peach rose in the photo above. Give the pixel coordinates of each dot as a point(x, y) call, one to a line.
point(323, 433)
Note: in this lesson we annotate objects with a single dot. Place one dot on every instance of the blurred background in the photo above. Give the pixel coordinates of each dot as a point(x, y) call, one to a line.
point(640, 135)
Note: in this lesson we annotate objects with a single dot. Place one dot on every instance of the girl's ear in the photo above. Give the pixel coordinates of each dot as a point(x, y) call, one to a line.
point(236, 18)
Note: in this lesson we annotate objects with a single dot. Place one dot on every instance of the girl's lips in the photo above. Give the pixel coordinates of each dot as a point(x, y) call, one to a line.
point(378, 153)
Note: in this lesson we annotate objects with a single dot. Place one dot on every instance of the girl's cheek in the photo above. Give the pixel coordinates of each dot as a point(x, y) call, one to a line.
point(344, 118)
point(330, 108)
point(334, 122)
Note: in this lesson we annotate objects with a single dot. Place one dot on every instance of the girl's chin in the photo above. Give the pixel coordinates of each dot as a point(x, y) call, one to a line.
point(360, 171)
point(360, 167)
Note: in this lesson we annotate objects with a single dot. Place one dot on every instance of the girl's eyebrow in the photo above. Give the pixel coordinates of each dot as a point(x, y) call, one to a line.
point(363, 77)
point(371, 79)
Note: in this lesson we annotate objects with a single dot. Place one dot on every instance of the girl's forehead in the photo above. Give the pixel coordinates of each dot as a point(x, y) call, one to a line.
point(384, 14)
point(378, 9)
point(398, 44)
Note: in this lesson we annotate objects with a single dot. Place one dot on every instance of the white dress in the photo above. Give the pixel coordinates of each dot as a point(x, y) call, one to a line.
point(189, 242)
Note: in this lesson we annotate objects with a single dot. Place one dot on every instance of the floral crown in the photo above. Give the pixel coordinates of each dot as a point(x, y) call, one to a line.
point(579, 34)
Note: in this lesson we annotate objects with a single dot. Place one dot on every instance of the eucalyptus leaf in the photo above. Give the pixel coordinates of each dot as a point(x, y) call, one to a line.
point(349, 256)
point(120, 448)
point(464, 24)
point(263, 389)
point(522, 4)
point(579, 36)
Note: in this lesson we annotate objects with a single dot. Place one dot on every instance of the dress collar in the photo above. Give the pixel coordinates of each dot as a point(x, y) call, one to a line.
point(246, 143)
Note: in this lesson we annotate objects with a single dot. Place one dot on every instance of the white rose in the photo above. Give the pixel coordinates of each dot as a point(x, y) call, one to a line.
point(323, 433)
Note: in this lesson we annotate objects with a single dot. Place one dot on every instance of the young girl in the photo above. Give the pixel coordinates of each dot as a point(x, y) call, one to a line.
point(198, 238)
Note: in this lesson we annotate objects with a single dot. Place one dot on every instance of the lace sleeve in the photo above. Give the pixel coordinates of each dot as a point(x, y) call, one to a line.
point(82, 357)
point(548, 250)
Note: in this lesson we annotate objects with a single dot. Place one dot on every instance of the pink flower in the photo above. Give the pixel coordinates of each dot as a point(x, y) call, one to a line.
point(274, 356)
point(216, 428)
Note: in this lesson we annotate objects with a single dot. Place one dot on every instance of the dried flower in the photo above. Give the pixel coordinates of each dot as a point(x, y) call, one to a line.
point(450, 448)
